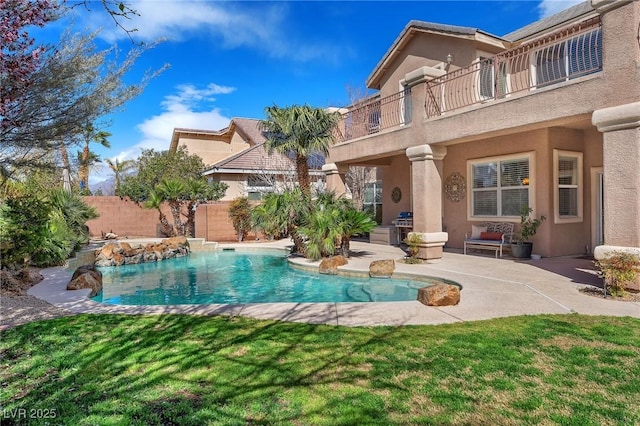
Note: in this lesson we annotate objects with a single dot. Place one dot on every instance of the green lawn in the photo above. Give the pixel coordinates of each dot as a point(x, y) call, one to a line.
point(175, 369)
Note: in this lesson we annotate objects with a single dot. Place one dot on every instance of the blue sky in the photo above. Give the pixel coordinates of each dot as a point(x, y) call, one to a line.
point(232, 59)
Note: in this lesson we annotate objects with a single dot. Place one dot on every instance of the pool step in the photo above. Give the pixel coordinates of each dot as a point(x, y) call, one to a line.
point(199, 244)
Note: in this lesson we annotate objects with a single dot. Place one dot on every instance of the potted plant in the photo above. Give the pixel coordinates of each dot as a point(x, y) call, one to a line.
point(528, 227)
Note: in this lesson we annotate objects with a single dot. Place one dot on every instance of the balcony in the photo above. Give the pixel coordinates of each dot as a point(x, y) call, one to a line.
point(375, 115)
point(562, 56)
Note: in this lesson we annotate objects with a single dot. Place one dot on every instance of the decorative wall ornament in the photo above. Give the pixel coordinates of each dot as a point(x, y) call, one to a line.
point(396, 195)
point(455, 187)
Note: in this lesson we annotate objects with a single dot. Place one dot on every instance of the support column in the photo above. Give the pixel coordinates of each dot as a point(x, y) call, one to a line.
point(335, 180)
point(620, 126)
point(426, 193)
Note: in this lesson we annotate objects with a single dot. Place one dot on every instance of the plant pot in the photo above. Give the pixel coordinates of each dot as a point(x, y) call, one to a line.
point(521, 250)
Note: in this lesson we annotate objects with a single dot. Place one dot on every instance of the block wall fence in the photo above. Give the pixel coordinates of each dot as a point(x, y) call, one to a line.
point(126, 219)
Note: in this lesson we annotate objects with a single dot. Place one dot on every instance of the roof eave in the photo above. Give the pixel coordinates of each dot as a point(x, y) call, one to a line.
point(415, 27)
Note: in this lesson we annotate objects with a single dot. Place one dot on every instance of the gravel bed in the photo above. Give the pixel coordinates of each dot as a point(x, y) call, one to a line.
point(16, 310)
point(16, 307)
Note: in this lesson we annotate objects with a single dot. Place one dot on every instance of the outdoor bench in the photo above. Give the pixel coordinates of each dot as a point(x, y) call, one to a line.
point(489, 236)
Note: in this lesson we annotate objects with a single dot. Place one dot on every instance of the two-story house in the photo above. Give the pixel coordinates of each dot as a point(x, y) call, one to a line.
point(469, 127)
point(237, 156)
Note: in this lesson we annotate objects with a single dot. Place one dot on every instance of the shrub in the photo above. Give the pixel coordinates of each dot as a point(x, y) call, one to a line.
point(23, 228)
point(413, 240)
point(42, 232)
point(240, 215)
point(618, 270)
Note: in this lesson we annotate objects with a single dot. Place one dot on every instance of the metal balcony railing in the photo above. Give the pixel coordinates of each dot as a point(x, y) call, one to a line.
point(375, 115)
point(562, 56)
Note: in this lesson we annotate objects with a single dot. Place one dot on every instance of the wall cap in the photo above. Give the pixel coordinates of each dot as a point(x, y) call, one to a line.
point(620, 117)
point(602, 252)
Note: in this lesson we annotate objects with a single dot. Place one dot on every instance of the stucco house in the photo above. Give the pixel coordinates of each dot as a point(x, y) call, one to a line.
point(469, 126)
point(236, 155)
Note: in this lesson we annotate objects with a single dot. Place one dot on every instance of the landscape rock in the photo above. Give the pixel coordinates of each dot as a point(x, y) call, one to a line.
point(439, 295)
point(123, 253)
point(86, 276)
point(382, 268)
point(330, 265)
point(29, 275)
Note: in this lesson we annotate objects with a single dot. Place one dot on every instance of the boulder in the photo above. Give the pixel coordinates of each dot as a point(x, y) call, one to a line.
point(84, 269)
point(439, 295)
point(123, 253)
point(86, 276)
point(176, 242)
point(382, 268)
point(129, 251)
point(330, 265)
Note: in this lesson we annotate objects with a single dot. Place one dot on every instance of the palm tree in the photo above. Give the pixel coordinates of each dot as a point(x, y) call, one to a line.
point(155, 202)
point(331, 224)
point(301, 130)
point(353, 222)
point(174, 191)
point(321, 233)
point(282, 215)
point(86, 158)
point(119, 168)
point(199, 191)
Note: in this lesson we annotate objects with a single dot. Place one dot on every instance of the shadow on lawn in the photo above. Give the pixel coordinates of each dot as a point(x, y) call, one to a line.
point(180, 369)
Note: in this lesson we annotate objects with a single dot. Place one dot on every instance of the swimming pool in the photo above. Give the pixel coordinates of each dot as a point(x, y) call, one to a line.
point(238, 278)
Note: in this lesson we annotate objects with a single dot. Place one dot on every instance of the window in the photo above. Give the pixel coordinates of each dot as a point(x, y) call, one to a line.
point(500, 186)
point(567, 179)
point(575, 57)
point(373, 200)
point(258, 187)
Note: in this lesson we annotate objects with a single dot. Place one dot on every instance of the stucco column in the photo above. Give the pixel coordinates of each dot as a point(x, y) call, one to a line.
point(621, 157)
point(426, 193)
point(335, 179)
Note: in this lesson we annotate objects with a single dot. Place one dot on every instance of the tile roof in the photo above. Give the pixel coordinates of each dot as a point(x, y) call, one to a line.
point(257, 158)
point(550, 21)
point(249, 129)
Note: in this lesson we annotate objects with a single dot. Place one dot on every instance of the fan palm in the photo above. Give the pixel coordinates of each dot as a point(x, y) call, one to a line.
point(282, 214)
point(119, 169)
point(86, 158)
point(301, 130)
point(353, 222)
point(173, 191)
point(155, 202)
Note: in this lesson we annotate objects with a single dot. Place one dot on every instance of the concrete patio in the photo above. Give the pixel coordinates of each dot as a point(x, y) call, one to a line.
point(491, 288)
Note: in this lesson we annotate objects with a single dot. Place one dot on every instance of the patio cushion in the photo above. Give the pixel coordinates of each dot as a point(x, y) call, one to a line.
point(491, 235)
point(476, 230)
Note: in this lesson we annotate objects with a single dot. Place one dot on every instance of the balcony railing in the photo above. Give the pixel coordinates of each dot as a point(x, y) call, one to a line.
point(375, 115)
point(567, 54)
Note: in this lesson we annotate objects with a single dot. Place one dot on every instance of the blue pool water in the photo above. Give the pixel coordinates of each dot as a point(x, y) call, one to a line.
point(235, 277)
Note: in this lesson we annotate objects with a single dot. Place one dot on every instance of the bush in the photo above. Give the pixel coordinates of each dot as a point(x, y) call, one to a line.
point(618, 270)
point(413, 240)
point(240, 215)
point(24, 225)
point(42, 232)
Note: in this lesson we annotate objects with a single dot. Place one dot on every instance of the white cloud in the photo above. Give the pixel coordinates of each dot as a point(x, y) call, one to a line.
point(549, 7)
point(180, 109)
point(257, 25)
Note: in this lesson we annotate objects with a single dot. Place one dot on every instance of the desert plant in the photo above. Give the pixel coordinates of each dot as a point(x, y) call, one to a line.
point(413, 240)
point(618, 269)
point(353, 222)
point(528, 225)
